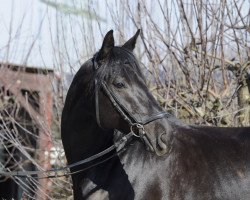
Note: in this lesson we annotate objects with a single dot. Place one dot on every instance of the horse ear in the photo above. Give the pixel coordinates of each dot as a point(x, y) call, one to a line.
point(107, 45)
point(130, 44)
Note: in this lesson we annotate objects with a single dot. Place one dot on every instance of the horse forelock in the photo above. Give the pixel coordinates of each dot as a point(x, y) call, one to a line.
point(120, 61)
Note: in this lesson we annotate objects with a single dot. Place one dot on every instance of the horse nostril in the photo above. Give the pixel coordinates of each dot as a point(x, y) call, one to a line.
point(160, 141)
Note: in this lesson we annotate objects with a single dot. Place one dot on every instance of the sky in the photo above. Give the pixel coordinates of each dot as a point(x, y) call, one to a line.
point(25, 36)
point(30, 27)
point(29, 34)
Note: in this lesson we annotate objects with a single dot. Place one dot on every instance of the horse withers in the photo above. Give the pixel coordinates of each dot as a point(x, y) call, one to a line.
point(164, 158)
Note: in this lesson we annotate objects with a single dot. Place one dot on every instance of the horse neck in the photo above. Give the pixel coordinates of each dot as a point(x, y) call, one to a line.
point(81, 135)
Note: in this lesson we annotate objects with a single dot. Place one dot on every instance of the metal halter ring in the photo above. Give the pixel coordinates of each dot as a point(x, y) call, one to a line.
point(139, 128)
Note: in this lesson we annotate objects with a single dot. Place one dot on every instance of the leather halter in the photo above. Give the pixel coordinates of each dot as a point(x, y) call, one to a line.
point(136, 126)
point(119, 145)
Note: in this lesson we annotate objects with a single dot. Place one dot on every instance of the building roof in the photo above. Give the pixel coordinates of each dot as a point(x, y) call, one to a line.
point(27, 69)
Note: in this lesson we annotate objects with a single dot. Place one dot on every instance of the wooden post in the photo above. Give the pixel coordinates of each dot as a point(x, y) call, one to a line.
point(31, 79)
point(45, 143)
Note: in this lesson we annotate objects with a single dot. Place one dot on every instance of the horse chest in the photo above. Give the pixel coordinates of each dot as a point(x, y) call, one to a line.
point(145, 177)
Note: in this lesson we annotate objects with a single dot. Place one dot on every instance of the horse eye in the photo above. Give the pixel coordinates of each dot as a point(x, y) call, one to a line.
point(119, 85)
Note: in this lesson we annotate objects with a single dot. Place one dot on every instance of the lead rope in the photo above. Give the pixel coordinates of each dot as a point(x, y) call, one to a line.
point(119, 146)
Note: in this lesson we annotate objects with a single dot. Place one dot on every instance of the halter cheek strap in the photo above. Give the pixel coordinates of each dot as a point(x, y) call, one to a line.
point(97, 109)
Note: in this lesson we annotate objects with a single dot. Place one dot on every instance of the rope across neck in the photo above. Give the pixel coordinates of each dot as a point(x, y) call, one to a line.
point(117, 147)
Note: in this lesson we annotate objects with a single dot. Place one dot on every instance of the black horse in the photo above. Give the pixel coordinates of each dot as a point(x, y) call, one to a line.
point(165, 159)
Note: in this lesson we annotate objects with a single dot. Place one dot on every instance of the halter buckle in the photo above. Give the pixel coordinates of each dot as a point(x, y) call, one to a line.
point(137, 130)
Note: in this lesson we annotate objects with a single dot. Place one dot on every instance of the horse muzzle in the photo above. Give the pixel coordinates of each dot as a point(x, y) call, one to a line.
point(159, 145)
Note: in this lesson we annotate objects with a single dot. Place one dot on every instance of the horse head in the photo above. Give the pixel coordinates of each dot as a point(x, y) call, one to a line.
point(122, 99)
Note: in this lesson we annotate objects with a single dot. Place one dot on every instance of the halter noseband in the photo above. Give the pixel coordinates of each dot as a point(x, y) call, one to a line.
point(136, 126)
